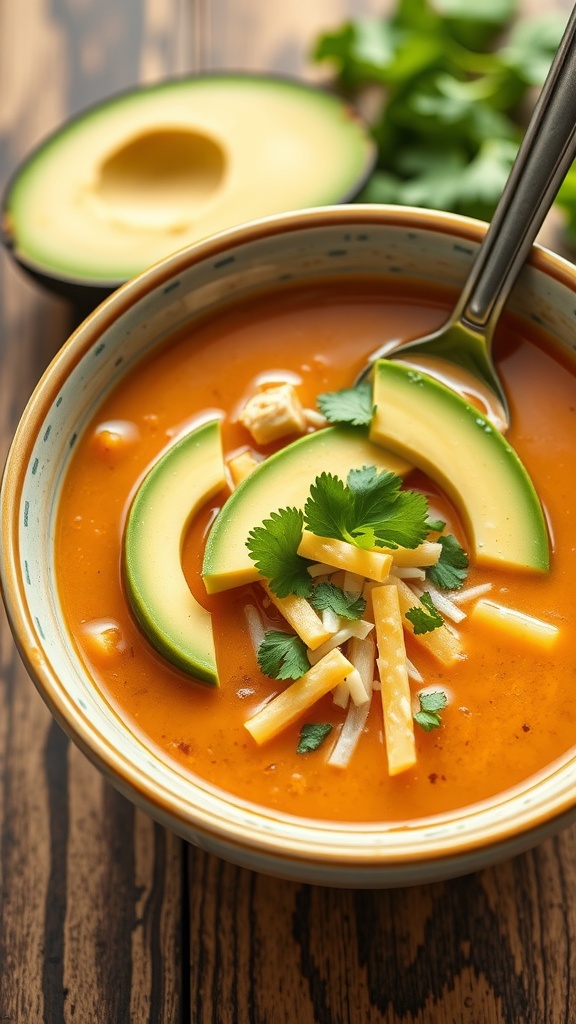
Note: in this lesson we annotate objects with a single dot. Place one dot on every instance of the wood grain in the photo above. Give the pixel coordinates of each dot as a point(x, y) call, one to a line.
point(107, 918)
point(492, 947)
point(91, 920)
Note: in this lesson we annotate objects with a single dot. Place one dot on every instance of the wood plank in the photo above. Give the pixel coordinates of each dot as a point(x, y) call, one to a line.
point(494, 947)
point(90, 898)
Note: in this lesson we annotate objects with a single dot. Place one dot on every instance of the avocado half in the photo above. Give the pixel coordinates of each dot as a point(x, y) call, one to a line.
point(153, 169)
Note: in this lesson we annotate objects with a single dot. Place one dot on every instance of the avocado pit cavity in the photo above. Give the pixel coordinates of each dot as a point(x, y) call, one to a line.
point(158, 180)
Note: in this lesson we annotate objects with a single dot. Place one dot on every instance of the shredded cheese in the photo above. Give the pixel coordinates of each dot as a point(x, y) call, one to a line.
point(302, 617)
point(394, 683)
point(288, 706)
point(514, 622)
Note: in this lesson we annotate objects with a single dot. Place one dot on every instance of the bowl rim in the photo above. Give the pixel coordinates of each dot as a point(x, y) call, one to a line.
point(309, 840)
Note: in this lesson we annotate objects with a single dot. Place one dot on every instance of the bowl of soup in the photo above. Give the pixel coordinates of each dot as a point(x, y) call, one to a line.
point(318, 624)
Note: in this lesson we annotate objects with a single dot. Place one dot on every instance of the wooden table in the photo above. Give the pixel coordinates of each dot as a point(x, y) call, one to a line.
point(106, 918)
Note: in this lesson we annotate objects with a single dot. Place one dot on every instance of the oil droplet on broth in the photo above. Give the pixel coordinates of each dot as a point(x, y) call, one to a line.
point(113, 440)
point(104, 640)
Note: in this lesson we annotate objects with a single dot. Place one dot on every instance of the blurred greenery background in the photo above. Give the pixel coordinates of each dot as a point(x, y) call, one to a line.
point(447, 87)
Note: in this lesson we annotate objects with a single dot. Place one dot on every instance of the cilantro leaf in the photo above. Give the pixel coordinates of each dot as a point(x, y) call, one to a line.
point(428, 720)
point(273, 547)
point(426, 619)
point(312, 735)
point(430, 704)
point(451, 568)
point(435, 525)
point(369, 510)
point(282, 655)
point(361, 50)
point(397, 517)
point(348, 606)
point(350, 405)
point(433, 701)
point(329, 508)
point(483, 180)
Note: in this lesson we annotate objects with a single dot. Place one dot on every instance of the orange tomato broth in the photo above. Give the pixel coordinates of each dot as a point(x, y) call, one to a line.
point(511, 706)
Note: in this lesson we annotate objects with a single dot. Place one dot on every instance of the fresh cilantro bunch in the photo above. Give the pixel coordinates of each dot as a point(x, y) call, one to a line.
point(447, 126)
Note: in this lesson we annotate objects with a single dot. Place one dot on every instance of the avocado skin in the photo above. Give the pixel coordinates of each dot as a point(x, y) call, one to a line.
point(87, 294)
point(83, 296)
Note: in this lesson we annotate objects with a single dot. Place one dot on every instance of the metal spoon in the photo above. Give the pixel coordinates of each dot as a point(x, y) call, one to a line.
point(546, 153)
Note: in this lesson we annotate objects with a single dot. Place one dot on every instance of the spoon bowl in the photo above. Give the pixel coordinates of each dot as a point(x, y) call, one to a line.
point(459, 356)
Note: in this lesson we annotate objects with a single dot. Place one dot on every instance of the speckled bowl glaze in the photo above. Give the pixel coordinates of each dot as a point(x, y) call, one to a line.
point(332, 242)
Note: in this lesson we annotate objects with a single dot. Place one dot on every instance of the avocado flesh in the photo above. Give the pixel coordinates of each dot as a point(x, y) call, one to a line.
point(182, 480)
point(283, 480)
point(424, 421)
point(152, 170)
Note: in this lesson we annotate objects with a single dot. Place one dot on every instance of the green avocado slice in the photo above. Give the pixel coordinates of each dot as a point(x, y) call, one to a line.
point(145, 173)
point(424, 421)
point(283, 480)
point(182, 480)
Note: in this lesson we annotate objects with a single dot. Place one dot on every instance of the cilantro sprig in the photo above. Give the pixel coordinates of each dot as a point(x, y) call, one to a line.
point(312, 735)
point(349, 405)
point(425, 619)
point(273, 546)
point(430, 705)
point(369, 510)
point(436, 525)
point(282, 655)
point(347, 606)
point(451, 569)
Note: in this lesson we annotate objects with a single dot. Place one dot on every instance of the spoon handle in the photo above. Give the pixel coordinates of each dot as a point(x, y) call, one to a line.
point(546, 153)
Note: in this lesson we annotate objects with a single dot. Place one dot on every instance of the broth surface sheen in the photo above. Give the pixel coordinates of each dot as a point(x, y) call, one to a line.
point(511, 710)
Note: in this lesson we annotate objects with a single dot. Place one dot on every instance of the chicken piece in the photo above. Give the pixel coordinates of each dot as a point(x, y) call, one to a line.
point(273, 413)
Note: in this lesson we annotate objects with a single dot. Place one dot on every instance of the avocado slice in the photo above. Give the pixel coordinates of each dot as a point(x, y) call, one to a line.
point(147, 172)
point(179, 483)
point(423, 420)
point(283, 480)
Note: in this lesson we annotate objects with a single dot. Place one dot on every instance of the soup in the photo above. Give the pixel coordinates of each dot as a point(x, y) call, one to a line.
point(508, 702)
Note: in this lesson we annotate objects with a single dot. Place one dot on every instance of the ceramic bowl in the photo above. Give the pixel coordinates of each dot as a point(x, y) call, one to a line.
point(334, 242)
